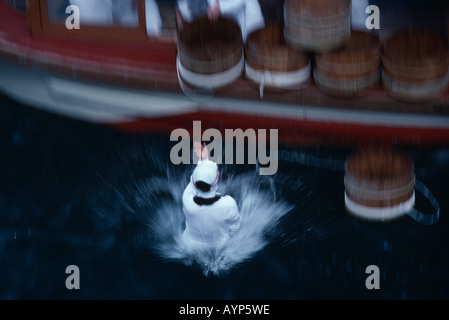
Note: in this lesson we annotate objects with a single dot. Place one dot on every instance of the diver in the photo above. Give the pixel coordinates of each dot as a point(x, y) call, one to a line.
point(210, 217)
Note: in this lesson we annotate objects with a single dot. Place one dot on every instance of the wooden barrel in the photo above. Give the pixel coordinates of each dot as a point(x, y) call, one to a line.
point(351, 70)
point(415, 65)
point(379, 184)
point(210, 53)
point(272, 64)
point(317, 25)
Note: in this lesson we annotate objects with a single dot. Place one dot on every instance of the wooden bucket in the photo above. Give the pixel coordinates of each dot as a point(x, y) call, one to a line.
point(317, 25)
point(415, 66)
point(379, 184)
point(271, 64)
point(351, 70)
point(210, 53)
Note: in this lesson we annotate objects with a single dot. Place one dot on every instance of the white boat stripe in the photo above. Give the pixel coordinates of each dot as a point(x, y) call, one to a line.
point(108, 104)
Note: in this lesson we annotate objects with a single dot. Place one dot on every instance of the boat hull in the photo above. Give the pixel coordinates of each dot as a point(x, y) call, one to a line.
point(136, 110)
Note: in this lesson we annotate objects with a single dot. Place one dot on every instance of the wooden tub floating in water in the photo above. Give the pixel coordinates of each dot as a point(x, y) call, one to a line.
point(379, 184)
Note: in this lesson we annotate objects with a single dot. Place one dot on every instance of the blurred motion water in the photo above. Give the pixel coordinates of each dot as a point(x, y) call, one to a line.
point(77, 194)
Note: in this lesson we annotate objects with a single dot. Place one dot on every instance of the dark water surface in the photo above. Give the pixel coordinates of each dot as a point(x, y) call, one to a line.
point(77, 194)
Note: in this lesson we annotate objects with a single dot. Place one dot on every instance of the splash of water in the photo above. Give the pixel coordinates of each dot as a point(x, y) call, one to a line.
point(260, 212)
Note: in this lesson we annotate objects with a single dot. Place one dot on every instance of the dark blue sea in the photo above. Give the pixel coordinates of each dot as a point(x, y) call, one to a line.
point(73, 193)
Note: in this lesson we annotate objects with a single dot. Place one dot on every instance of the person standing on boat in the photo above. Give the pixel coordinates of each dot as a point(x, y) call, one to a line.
point(247, 13)
point(210, 217)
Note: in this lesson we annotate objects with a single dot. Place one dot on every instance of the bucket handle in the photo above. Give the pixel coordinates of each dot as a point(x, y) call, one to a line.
point(425, 218)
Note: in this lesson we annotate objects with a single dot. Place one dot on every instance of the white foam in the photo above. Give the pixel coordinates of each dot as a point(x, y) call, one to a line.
point(260, 212)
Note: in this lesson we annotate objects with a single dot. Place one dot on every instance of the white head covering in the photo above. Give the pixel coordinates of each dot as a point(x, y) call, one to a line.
point(206, 171)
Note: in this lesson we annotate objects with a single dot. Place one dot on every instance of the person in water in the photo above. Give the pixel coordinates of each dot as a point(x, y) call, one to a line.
point(210, 217)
